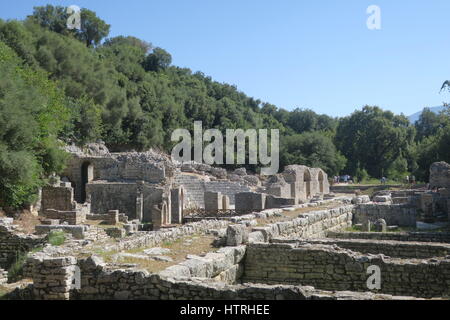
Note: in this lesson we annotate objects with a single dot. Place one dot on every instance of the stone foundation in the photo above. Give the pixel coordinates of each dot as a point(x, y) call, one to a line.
point(330, 268)
point(394, 214)
point(443, 237)
point(54, 279)
point(394, 249)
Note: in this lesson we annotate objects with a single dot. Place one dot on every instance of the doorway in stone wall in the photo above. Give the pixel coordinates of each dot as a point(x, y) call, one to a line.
point(87, 175)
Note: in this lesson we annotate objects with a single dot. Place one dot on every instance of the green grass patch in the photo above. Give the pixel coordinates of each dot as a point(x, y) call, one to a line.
point(15, 271)
point(56, 238)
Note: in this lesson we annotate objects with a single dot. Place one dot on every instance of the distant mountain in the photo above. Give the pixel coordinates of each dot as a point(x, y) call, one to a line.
point(413, 118)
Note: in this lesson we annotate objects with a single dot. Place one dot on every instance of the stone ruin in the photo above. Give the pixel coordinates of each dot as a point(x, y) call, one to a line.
point(281, 237)
point(403, 208)
point(148, 188)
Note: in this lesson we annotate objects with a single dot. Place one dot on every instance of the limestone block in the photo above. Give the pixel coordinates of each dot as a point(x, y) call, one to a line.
point(176, 271)
point(256, 236)
point(246, 202)
point(384, 199)
point(199, 267)
point(361, 199)
point(237, 234)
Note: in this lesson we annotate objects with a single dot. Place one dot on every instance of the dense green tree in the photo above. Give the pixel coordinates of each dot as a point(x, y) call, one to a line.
point(126, 92)
point(158, 60)
point(32, 114)
point(55, 18)
point(374, 139)
point(428, 124)
point(93, 29)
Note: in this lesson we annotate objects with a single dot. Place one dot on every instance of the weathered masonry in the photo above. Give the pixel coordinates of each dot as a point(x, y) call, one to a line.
point(328, 268)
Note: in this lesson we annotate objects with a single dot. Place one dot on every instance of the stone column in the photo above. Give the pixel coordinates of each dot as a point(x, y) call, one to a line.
point(55, 278)
point(140, 206)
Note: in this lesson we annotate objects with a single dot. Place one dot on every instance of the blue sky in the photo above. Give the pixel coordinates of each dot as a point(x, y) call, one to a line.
point(309, 54)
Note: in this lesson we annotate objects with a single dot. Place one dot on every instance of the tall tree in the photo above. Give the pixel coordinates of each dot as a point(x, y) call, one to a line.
point(54, 18)
point(373, 139)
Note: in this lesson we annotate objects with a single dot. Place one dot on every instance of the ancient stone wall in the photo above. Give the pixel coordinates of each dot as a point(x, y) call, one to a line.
point(316, 224)
point(154, 238)
point(443, 237)
point(53, 278)
point(13, 243)
point(195, 187)
point(114, 168)
point(277, 202)
point(93, 233)
point(71, 217)
point(58, 198)
point(98, 282)
point(395, 214)
point(330, 268)
point(247, 202)
point(107, 196)
point(395, 249)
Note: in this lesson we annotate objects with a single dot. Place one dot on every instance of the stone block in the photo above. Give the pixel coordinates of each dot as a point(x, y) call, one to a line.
point(237, 234)
point(273, 202)
point(213, 202)
point(246, 202)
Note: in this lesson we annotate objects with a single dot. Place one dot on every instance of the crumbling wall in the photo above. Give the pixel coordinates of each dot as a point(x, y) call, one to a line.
point(107, 196)
point(247, 202)
point(13, 243)
point(71, 217)
point(53, 278)
point(58, 198)
point(328, 268)
point(115, 167)
point(316, 224)
point(195, 187)
point(93, 233)
point(154, 238)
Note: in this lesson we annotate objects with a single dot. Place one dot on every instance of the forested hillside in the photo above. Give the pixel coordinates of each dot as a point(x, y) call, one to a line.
point(77, 86)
